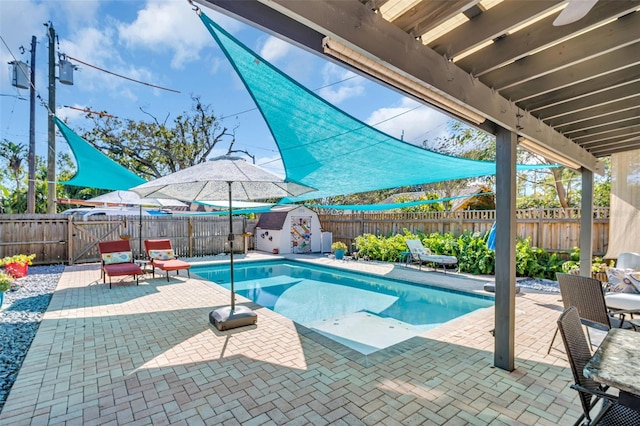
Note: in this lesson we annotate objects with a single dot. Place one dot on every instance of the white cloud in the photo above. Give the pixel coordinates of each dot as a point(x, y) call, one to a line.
point(410, 121)
point(272, 164)
point(19, 21)
point(96, 47)
point(70, 114)
point(274, 49)
point(78, 17)
point(347, 87)
point(166, 26)
point(174, 27)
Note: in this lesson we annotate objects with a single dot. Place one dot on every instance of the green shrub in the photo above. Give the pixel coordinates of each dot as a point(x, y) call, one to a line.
point(5, 281)
point(387, 249)
point(471, 249)
point(597, 264)
point(338, 245)
point(474, 256)
point(536, 262)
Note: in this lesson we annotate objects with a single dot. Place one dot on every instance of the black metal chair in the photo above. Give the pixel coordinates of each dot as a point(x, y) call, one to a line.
point(590, 392)
point(587, 295)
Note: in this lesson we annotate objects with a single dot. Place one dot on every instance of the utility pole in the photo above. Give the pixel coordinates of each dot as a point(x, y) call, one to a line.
point(31, 184)
point(51, 151)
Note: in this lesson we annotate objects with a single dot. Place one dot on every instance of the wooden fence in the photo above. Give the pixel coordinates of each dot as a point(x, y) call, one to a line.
point(65, 239)
point(555, 230)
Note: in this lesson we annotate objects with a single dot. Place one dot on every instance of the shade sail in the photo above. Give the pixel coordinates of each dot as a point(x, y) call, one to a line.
point(392, 206)
point(94, 169)
point(326, 148)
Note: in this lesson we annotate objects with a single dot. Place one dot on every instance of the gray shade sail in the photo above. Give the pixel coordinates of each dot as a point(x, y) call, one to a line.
point(134, 199)
point(209, 181)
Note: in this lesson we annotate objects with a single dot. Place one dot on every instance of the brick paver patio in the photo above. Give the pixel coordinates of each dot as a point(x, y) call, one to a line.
point(147, 355)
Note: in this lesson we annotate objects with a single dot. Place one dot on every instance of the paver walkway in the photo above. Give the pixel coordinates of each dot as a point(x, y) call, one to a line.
point(147, 355)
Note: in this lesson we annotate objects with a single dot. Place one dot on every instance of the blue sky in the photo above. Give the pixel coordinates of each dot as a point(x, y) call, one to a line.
point(163, 43)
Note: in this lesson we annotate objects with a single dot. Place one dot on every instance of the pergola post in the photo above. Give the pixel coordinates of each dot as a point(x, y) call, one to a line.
point(504, 353)
point(586, 223)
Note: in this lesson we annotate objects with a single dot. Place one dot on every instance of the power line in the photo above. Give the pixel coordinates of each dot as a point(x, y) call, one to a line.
point(122, 76)
point(313, 90)
point(101, 114)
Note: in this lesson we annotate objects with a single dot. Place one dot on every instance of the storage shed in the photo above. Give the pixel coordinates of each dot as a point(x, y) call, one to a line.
point(288, 229)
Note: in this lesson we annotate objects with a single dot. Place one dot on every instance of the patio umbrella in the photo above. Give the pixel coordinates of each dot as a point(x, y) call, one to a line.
point(491, 240)
point(133, 199)
point(213, 180)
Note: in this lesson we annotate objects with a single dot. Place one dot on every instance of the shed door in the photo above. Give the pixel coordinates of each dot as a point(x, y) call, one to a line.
point(300, 234)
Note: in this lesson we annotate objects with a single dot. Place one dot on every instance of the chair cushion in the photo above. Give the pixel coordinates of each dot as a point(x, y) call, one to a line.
point(623, 301)
point(440, 258)
point(116, 269)
point(623, 280)
point(162, 254)
point(171, 264)
point(117, 257)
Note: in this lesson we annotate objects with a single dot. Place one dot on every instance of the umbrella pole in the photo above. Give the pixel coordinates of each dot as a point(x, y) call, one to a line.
point(140, 235)
point(228, 317)
point(230, 238)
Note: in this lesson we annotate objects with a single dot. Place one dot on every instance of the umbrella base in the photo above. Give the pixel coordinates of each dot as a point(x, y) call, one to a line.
point(225, 318)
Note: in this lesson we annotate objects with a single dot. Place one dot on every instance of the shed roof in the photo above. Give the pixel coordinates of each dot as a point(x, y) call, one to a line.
point(272, 220)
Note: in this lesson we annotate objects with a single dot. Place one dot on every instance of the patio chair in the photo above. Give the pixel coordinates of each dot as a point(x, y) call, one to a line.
point(590, 392)
point(624, 291)
point(421, 254)
point(117, 260)
point(162, 256)
point(587, 295)
point(628, 261)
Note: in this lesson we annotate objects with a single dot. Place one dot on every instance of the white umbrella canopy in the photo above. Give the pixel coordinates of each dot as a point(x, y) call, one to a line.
point(213, 180)
point(234, 204)
point(209, 181)
point(134, 199)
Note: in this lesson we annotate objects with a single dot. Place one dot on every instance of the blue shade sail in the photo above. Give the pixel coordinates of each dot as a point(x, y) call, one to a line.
point(326, 148)
point(94, 169)
point(391, 206)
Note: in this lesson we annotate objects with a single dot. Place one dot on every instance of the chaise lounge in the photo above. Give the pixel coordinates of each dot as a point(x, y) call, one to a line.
point(421, 254)
point(117, 260)
point(162, 256)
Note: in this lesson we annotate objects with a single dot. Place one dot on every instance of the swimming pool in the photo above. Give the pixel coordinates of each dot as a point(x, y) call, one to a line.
point(364, 312)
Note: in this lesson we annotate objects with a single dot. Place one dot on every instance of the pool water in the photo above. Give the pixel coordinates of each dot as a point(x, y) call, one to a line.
point(364, 312)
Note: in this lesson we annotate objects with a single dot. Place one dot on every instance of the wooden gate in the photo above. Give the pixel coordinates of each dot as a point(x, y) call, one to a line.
point(84, 236)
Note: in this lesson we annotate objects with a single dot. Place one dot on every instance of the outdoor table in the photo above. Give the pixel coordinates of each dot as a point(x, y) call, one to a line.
point(616, 363)
point(145, 265)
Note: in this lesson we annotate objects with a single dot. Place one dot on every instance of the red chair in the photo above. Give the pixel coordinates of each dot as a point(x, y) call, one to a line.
point(162, 256)
point(117, 260)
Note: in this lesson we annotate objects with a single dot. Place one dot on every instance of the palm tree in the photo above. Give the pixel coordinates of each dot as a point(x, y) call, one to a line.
point(15, 154)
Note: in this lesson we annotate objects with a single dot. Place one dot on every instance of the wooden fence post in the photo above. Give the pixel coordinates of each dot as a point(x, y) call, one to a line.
point(70, 247)
point(190, 236)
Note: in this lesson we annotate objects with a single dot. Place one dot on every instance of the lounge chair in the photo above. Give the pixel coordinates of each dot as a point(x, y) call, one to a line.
point(578, 353)
point(117, 260)
point(162, 256)
point(421, 254)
